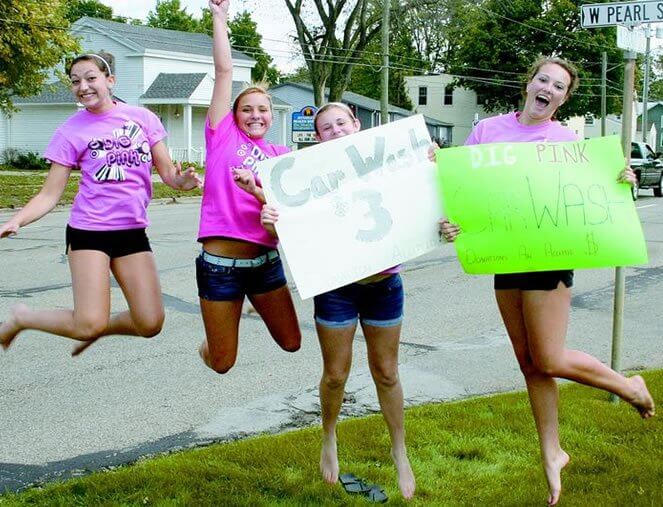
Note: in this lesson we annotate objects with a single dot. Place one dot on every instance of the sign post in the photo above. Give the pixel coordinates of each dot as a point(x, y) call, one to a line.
point(625, 14)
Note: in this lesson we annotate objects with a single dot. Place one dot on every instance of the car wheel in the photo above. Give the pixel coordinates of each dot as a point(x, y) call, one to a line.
point(658, 191)
point(635, 190)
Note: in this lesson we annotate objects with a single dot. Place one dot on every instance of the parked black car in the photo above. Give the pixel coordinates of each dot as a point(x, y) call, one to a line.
point(647, 167)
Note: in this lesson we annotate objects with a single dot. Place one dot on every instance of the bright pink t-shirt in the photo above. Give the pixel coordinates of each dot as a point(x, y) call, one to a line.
point(113, 152)
point(507, 129)
point(227, 210)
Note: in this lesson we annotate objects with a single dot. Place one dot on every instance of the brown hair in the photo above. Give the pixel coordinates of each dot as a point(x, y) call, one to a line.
point(256, 88)
point(330, 105)
point(565, 64)
point(104, 61)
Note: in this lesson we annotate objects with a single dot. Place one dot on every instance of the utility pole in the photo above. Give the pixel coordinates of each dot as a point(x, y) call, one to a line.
point(604, 83)
point(645, 87)
point(384, 96)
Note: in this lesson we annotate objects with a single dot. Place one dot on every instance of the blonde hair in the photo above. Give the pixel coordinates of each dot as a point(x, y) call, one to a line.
point(255, 88)
point(565, 64)
point(330, 105)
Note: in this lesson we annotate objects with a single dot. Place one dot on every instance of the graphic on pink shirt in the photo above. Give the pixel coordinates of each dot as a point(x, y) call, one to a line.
point(120, 152)
point(251, 155)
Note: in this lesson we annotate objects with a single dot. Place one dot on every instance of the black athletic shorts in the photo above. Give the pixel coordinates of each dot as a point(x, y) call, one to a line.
point(112, 243)
point(537, 280)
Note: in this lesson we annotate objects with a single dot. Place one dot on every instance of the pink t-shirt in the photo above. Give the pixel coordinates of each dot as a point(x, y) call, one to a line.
point(113, 151)
point(507, 129)
point(227, 210)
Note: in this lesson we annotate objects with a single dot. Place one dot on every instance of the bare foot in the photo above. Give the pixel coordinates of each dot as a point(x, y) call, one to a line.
point(203, 352)
point(553, 470)
point(329, 459)
point(79, 349)
point(641, 399)
point(11, 327)
point(406, 482)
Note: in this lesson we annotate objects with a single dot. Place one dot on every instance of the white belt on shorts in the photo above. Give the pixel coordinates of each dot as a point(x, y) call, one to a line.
point(240, 263)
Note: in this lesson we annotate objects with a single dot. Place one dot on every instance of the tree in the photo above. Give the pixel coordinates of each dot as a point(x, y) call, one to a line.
point(245, 38)
point(428, 23)
point(170, 14)
point(494, 42)
point(76, 9)
point(332, 47)
point(34, 37)
point(299, 75)
point(403, 61)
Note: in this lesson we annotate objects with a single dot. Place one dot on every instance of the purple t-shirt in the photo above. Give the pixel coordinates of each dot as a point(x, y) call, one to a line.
point(507, 129)
point(113, 151)
point(227, 210)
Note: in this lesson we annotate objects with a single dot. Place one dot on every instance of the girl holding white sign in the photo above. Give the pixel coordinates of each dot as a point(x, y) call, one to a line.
point(238, 258)
point(535, 306)
point(377, 303)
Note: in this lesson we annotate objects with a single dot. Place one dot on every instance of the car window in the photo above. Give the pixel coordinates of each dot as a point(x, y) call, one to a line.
point(635, 151)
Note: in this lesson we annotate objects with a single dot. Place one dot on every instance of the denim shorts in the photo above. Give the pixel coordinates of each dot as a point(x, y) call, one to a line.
point(536, 280)
point(112, 243)
point(225, 283)
point(377, 304)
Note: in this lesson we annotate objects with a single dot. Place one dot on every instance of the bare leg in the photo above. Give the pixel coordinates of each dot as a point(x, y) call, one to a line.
point(278, 311)
point(138, 278)
point(541, 389)
point(89, 318)
point(336, 348)
point(546, 315)
point(382, 344)
point(221, 320)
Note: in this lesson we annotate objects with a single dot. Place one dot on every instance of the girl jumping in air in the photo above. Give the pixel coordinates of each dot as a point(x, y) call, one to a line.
point(535, 306)
point(115, 146)
point(376, 303)
point(238, 258)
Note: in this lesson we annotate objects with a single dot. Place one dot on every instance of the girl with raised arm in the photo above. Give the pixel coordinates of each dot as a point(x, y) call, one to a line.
point(238, 258)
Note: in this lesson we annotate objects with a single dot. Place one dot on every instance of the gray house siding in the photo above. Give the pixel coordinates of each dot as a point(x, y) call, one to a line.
point(367, 110)
point(41, 126)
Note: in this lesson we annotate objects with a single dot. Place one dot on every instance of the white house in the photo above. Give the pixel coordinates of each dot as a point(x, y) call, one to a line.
point(169, 72)
point(434, 96)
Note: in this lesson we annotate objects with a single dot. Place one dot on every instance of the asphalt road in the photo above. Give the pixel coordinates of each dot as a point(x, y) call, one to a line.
point(128, 397)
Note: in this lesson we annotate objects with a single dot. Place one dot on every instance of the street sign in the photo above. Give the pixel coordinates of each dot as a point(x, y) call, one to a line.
point(632, 39)
point(621, 13)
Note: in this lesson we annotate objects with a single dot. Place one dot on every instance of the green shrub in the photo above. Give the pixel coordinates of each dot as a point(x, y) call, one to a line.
point(23, 159)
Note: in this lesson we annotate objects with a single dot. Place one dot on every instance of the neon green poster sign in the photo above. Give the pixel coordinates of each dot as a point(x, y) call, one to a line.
point(540, 206)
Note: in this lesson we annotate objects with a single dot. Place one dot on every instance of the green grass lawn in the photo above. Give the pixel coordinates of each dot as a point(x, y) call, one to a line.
point(17, 190)
point(481, 451)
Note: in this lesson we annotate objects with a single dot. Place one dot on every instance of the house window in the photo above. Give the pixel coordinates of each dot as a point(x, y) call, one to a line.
point(423, 95)
point(590, 121)
point(448, 96)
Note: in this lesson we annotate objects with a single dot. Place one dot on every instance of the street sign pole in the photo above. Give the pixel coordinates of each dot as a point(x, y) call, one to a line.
point(620, 278)
point(621, 14)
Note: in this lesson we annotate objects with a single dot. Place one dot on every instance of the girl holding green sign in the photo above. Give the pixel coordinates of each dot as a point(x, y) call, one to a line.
point(535, 306)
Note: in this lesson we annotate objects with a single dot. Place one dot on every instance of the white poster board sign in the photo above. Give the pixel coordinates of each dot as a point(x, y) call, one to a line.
point(355, 206)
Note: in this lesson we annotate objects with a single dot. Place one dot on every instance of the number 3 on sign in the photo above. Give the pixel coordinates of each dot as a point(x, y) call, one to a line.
point(379, 215)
